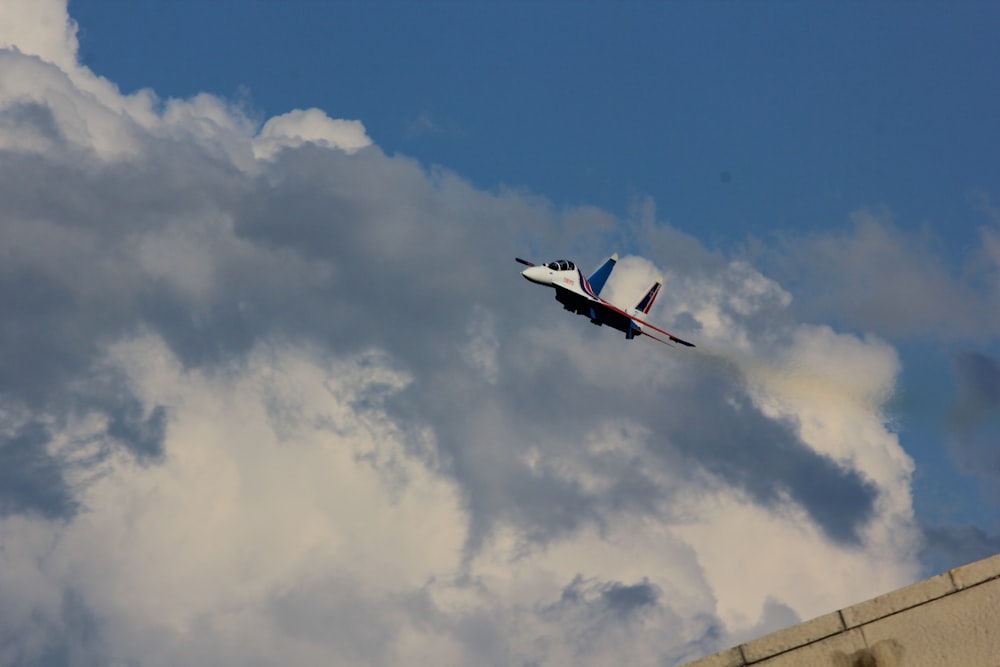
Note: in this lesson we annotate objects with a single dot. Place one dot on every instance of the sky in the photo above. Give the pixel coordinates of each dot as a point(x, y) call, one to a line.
point(273, 392)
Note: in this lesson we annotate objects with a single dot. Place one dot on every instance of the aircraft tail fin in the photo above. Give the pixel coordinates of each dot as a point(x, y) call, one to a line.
point(647, 301)
point(600, 276)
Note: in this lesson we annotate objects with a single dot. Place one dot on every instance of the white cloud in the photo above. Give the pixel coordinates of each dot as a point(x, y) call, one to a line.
point(40, 28)
point(481, 352)
point(357, 443)
point(831, 387)
point(183, 259)
point(42, 107)
point(280, 495)
point(309, 126)
point(90, 112)
point(236, 516)
point(876, 277)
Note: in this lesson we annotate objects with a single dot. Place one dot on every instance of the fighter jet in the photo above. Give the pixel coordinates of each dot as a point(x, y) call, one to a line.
point(582, 296)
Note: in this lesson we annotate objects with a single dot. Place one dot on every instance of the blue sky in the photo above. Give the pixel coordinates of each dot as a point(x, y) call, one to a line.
point(273, 389)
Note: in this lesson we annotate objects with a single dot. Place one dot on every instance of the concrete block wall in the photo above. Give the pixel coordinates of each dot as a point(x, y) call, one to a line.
point(949, 620)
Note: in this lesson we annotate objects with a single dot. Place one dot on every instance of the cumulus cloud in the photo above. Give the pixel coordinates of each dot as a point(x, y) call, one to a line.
point(876, 277)
point(310, 125)
point(269, 397)
point(40, 28)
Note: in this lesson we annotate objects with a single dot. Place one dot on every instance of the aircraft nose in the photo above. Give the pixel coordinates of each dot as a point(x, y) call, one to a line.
point(536, 274)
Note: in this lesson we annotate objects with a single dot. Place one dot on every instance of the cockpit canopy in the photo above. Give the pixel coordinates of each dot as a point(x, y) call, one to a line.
point(561, 265)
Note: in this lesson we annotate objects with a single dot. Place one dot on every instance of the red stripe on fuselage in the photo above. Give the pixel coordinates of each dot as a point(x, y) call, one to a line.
point(585, 284)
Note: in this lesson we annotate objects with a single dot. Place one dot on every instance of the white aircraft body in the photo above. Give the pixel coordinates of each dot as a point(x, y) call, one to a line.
point(582, 296)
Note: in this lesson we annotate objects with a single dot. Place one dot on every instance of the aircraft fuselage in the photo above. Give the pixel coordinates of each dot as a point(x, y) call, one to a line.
point(581, 295)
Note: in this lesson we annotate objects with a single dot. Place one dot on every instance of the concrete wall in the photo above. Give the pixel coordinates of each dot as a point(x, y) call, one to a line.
point(950, 620)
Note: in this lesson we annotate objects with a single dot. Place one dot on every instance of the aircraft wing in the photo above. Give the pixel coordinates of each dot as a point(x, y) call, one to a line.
point(646, 325)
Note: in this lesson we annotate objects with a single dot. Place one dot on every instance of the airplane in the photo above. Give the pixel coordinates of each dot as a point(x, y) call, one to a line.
point(582, 296)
